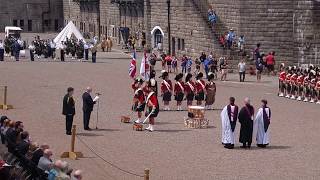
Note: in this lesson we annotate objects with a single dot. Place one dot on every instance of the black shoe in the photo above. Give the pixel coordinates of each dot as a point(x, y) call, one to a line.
point(68, 133)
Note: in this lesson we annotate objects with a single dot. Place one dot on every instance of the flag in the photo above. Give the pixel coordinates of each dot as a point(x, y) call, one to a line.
point(145, 67)
point(133, 66)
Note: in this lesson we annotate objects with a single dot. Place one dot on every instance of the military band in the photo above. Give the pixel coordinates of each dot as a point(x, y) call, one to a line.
point(300, 84)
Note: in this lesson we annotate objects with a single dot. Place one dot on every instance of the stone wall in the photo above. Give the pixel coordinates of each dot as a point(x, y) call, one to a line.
point(288, 27)
point(32, 15)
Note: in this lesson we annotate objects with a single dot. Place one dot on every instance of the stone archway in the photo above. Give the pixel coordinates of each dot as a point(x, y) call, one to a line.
point(157, 36)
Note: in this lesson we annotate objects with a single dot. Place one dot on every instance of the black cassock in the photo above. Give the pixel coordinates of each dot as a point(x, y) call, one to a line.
point(246, 121)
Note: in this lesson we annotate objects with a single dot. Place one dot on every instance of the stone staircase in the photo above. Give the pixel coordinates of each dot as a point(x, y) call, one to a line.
point(220, 28)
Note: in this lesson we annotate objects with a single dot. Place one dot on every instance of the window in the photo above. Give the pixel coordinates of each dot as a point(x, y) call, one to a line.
point(56, 24)
point(21, 23)
point(15, 22)
point(29, 25)
point(179, 44)
point(182, 45)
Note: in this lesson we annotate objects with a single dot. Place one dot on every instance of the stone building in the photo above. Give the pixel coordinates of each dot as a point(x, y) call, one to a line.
point(31, 15)
point(291, 28)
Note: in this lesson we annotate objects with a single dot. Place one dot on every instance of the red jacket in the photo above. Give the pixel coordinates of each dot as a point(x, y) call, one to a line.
point(165, 87)
point(179, 88)
point(200, 86)
point(282, 76)
point(189, 87)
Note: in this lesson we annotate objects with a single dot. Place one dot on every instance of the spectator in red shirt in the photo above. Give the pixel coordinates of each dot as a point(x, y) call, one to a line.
point(270, 61)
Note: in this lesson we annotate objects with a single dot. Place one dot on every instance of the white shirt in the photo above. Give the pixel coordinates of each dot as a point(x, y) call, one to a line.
point(1, 45)
point(242, 66)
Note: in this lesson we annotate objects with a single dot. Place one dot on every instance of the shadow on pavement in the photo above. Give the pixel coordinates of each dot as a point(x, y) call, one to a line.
point(89, 134)
point(172, 131)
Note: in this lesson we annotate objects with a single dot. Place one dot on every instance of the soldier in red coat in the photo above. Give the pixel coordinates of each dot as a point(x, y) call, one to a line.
point(166, 90)
point(287, 82)
point(293, 80)
point(189, 89)
point(318, 88)
point(306, 81)
point(300, 85)
point(139, 100)
point(282, 86)
point(179, 90)
point(313, 83)
point(200, 89)
point(152, 105)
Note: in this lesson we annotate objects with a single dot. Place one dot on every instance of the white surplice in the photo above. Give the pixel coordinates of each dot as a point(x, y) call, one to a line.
point(262, 136)
point(227, 134)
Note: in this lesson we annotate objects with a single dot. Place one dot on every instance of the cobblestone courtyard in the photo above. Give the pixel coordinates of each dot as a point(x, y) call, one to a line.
point(171, 152)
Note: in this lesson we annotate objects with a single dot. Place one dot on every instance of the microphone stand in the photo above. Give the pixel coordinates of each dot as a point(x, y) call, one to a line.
point(97, 120)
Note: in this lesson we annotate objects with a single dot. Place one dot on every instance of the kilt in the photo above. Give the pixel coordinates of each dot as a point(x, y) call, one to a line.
point(167, 96)
point(179, 96)
point(139, 107)
point(154, 113)
point(190, 96)
point(200, 96)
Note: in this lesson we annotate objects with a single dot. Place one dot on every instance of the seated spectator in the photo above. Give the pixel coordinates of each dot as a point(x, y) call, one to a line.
point(77, 175)
point(54, 172)
point(38, 153)
point(65, 172)
point(45, 162)
point(3, 127)
point(11, 137)
point(24, 144)
point(32, 148)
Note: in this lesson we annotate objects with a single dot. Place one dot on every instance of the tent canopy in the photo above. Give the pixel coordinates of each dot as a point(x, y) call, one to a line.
point(67, 32)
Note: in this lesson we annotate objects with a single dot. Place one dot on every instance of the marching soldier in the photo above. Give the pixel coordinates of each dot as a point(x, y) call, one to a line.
point(312, 85)
point(306, 86)
point(318, 89)
point(179, 90)
point(152, 105)
point(139, 100)
point(282, 78)
point(166, 90)
point(189, 89)
point(200, 88)
point(300, 85)
point(293, 80)
point(288, 84)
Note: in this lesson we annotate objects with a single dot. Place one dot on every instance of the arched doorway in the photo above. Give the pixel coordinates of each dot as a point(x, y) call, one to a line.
point(157, 36)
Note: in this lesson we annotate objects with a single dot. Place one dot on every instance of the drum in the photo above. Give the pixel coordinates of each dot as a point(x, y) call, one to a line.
point(22, 53)
point(196, 112)
point(125, 119)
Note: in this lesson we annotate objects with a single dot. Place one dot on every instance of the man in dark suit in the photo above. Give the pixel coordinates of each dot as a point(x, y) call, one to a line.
point(69, 109)
point(24, 144)
point(87, 108)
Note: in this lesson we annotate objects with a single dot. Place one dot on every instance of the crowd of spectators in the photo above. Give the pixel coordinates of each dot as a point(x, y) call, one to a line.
point(26, 159)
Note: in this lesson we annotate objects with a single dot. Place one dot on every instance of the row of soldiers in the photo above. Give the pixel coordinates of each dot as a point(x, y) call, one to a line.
point(300, 84)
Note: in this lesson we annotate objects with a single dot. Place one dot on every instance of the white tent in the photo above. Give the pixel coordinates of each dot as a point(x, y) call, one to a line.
point(67, 33)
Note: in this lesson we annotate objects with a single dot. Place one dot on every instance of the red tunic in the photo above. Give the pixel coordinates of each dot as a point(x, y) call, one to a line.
point(282, 76)
point(154, 100)
point(178, 88)
point(300, 80)
point(189, 88)
point(200, 86)
point(313, 82)
point(288, 78)
point(306, 80)
point(133, 86)
point(318, 85)
point(166, 87)
point(293, 78)
point(139, 95)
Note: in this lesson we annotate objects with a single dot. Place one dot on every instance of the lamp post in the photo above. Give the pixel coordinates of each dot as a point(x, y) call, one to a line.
point(169, 28)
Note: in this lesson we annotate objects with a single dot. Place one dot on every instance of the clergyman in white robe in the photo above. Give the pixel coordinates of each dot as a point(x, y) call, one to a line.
point(229, 116)
point(261, 125)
